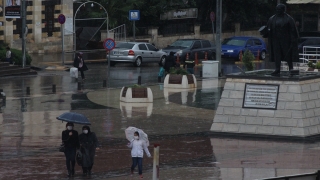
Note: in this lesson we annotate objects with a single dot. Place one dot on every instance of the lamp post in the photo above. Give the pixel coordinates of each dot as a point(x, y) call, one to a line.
point(24, 31)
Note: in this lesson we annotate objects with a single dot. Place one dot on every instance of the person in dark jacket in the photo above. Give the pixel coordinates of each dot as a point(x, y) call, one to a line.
point(170, 62)
point(70, 140)
point(79, 63)
point(88, 146)
point(190, 66)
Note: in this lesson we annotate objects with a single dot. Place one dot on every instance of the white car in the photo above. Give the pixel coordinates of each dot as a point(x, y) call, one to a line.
point(136, 53)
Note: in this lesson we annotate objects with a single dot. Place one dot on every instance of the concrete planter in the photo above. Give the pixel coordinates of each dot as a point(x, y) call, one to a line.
point(136, 95)
point(184, 94)
point(180, 81)
point(133, 109)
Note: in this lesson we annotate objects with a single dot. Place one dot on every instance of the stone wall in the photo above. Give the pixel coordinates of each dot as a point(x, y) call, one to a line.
point(297, 112)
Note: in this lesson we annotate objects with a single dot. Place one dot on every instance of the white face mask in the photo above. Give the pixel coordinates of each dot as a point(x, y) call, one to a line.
point(85, 131)
point(136, 137)
point(69, 127)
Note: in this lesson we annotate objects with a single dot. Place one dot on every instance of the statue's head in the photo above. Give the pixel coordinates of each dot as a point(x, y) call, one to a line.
point(280, 9)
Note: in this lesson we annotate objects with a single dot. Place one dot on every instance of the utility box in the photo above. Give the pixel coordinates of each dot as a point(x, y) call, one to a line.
point(210, 69)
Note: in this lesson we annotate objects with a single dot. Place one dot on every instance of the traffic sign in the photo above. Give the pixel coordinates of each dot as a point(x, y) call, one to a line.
point(109, 44)
point(134, 15)
point(62, 19)
point(212, 16)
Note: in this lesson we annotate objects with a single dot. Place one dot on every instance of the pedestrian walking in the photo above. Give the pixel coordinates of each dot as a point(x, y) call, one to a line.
point(79, 63)
point(138, 145)
point(8, 55)
point(190, 66)
point(169, 62)
point(70, 140)
point(88, 146)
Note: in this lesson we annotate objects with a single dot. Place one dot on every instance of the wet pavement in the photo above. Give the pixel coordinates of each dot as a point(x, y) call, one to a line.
point(178, 120)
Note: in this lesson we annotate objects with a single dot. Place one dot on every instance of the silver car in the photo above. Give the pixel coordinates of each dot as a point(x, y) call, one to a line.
point(136, 53)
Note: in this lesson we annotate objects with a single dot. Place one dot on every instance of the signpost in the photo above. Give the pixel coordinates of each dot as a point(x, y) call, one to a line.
point(213, 18)
point(62, 20)
point(109, 44)
point(134, 15)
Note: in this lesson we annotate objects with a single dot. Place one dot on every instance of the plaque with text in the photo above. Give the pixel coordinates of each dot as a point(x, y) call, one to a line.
point(261, 96)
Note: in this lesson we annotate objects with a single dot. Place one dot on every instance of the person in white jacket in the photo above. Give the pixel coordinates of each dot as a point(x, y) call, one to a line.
point(138, 146)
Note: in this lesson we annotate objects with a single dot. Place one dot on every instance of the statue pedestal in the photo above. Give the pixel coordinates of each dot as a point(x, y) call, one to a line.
point(255, 103)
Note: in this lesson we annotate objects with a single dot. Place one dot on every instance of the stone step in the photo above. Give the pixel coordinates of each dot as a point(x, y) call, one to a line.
point(3, 68)
point(18, 70)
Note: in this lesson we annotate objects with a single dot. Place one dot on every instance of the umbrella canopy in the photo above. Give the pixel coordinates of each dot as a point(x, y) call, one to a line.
point(130, 133)
point(74, 118)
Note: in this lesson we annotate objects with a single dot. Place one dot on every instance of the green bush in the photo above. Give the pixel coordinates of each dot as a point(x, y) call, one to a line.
point(136, 86)
point(247, 59)
point(311, 65)
point(16, 56)
point(318, 65)
point(178, 71)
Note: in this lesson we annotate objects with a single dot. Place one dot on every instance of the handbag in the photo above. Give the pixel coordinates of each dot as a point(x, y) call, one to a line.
point(161, 72)
point(61, 148)
point(79, 158)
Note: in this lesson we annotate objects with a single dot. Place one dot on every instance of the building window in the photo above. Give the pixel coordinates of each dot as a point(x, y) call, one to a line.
point(49, 18)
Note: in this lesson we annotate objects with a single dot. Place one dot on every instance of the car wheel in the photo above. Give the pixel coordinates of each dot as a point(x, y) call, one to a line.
point(263, 55)
point(162, 60)
point(138, 62)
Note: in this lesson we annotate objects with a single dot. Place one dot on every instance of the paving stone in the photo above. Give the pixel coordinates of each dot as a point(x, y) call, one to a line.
point(237, 102)
point(306, 131)
point(248, 129)
point(236, 111)
point(236, 94)
point(229, 86)
point(254, 120)
point(315, 87)
point(317, 102)
point(265, 130)
point(306, 88)
point(301, 97)
point(266, 113)
point(297, 132)
point(230, 128)
point(217, 126)
point(300, 123)
point(226, 102)
point(294, 89)
point(314, 121)
point(219, 110)
point(286, 97)
point(228, 111)
point(225, 94)
point(313, 95)
point(309, 113)
point(221, 119)
point(313, 130)
point(293, 106)
point(289, 122)
point(237, 119)
point(271, 121)
point(298, 114)
point(317, 112)
point(284, 131)
point(239, 86)
point(281, 105)
point(249, 112)
point(283, 114)
point(310, 104)
point(283, 88)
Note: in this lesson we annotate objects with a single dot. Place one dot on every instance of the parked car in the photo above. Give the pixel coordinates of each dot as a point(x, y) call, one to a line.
point(182, 47)
point(136, 53)
point(231, 47)
point(309, 41)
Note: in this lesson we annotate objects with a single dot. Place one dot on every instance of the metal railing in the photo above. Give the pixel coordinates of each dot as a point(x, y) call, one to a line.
point(310, 53)
point(119, 33)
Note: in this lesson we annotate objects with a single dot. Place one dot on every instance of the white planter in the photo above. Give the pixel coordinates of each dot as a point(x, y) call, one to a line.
point(184, 82)
point(128, 96)
point(128, 108)
point(184, 94)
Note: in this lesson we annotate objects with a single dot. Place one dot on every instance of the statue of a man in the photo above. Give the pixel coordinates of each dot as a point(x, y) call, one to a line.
point(282, 35)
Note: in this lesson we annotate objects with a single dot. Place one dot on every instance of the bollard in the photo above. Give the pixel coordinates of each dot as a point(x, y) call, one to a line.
point(104, 83)
point(178, 59)
point(196, 58)
point(79, 85)
point(200, 73)
point(187, 57)
point(54, 88)
point(159, 79)
point(206, 56)
point(240, 56)
point(28, 90)
point(258, 56)
point(155, 174)
point(139, 80)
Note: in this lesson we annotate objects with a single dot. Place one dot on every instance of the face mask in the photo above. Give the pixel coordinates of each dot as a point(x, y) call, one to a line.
point(85, 131)
point(69, 127)
point(136, 137)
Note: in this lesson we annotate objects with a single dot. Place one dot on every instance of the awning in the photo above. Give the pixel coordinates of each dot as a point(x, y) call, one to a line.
point(303, 1)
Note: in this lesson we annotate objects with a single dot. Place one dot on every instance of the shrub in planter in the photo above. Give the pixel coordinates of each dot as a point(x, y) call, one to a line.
point(248, 59)
point(179, 78)
point(16, 56)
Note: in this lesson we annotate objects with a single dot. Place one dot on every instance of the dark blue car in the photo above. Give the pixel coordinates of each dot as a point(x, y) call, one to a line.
point(231, 47)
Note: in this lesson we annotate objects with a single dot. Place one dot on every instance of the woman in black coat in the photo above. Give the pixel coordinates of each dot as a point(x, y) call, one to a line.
point(70, 140)
point(79, 63)
point(88, 146)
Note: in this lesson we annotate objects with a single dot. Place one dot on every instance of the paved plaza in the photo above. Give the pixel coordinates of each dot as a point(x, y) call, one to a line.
point(177, 120)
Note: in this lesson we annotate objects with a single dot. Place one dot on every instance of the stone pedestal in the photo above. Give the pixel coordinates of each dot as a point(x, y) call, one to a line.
point(296, 114)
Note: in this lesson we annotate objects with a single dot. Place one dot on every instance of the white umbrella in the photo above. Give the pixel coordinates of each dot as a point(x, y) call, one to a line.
point(130, 133)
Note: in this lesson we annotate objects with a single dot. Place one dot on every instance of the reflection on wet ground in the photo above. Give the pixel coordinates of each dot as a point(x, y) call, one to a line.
point(179, 120)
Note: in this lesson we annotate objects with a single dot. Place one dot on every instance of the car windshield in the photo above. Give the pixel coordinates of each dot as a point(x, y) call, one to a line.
point(234, 42)
point(182, 43)
point(124, 45)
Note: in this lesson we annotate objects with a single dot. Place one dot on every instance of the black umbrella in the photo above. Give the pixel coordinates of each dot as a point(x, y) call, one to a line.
point(74, 118)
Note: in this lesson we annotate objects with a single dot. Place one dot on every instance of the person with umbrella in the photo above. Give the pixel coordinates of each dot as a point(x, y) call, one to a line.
point(88, 146)
point(70, 140)
point(138, 145)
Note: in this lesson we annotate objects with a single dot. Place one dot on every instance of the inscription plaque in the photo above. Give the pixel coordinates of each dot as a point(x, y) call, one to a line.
point(261, 96)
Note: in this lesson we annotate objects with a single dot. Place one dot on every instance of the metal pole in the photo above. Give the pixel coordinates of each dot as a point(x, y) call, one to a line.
point(134, 31)
point(218, 33)
point(23, 33)
point(108, 71)
point(155, 174)
point(213, 31)
point(62, 37)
